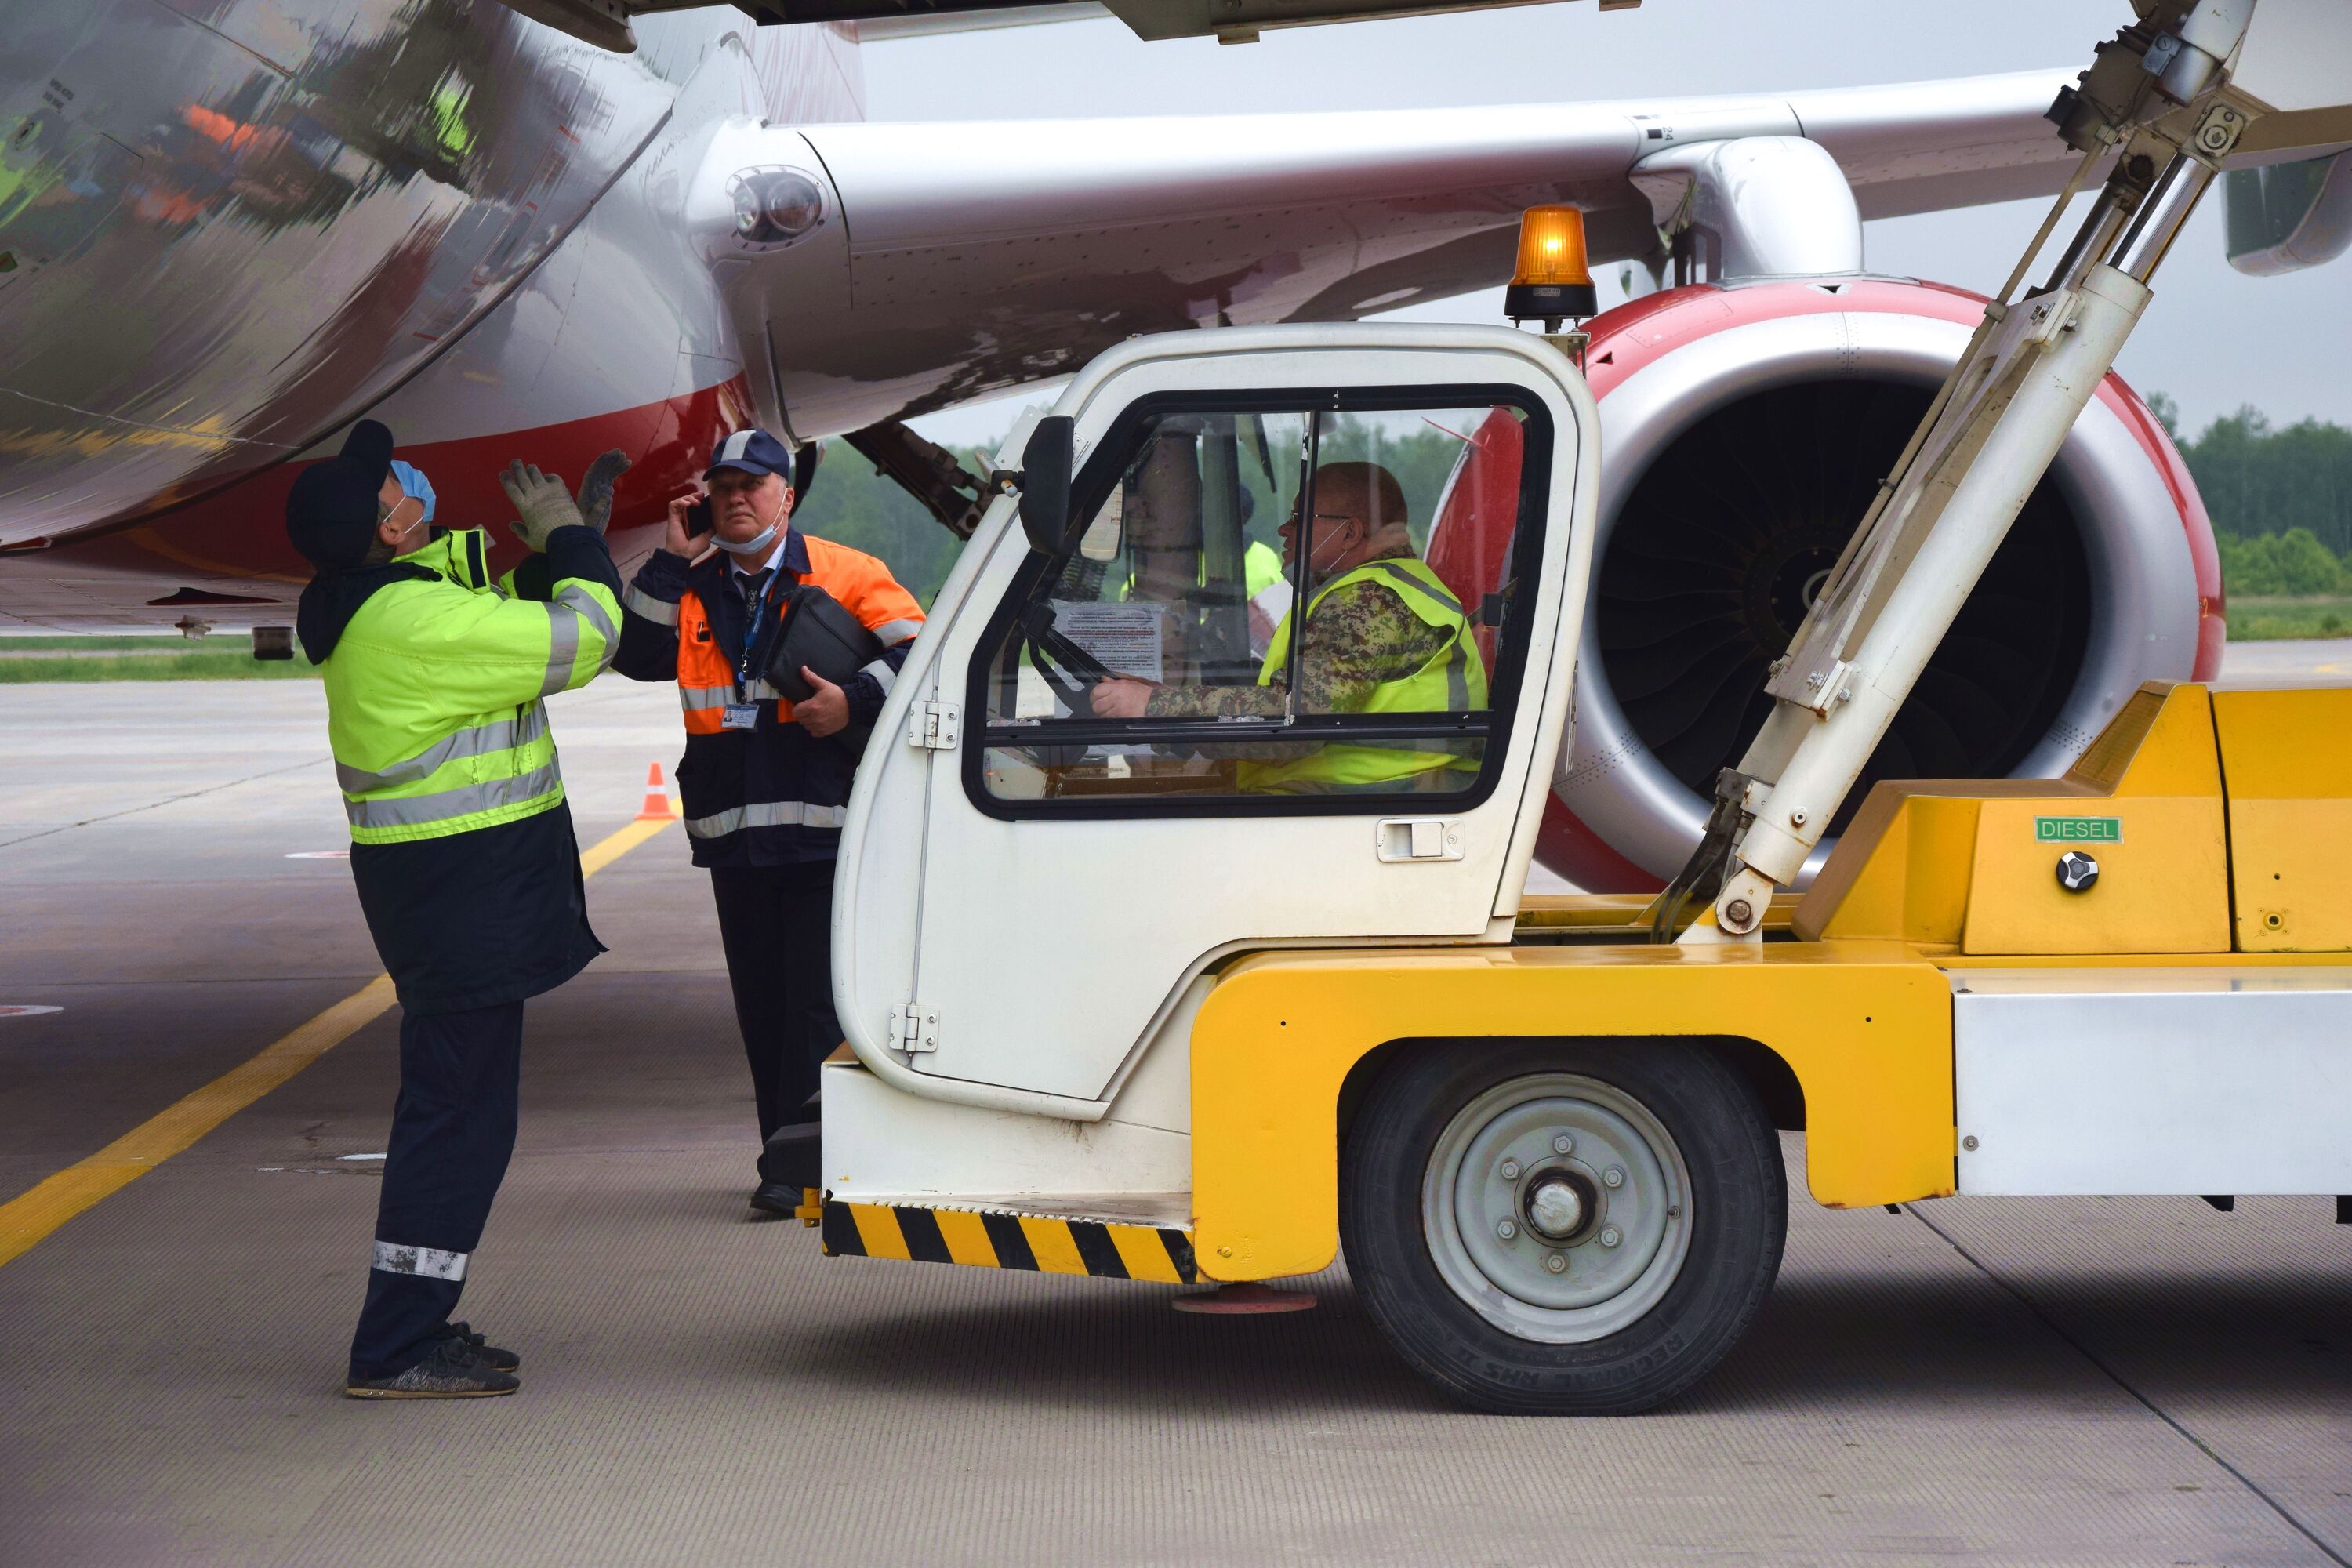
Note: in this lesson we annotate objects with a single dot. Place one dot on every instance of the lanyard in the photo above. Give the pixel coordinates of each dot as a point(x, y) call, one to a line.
point(752, 631)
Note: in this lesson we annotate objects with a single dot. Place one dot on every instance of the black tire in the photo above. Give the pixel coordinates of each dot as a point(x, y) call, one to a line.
point(1736, 1213)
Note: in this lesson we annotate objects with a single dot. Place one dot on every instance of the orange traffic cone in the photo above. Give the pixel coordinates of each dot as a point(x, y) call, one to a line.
point(658, 807)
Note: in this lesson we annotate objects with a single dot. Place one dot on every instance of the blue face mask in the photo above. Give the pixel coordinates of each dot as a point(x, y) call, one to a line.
point(413, 483)
point(758, 544)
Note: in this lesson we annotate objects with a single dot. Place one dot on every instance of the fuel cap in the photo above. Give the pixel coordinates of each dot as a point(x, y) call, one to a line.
point(2077, 871)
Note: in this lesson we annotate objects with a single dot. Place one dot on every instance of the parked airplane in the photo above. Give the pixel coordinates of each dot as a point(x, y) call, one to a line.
point(230, 228)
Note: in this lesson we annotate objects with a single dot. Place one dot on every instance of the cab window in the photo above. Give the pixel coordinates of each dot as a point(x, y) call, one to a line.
point(1275, 608)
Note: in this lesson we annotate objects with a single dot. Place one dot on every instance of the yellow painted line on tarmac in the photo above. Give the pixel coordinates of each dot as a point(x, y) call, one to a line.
point(26, 1219)
point(611, 849)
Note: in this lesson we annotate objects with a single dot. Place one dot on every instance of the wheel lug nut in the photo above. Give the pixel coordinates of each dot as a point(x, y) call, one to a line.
point(1510, 1170)
point(1609, 1237)
point(1556, 1263)
point(1562, 1145)
point(1612, 1177)
point(1506, 1230)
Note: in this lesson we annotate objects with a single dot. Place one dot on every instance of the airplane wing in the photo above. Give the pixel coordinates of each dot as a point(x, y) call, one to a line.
point(837, 279)
point(975, 256)
point(606, 23)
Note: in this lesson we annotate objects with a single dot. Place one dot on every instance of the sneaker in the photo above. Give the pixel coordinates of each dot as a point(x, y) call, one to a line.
point(449, 1371)
point(489, 1355)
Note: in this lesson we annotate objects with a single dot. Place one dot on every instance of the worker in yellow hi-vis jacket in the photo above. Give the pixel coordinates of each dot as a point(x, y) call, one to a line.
point(462, 845)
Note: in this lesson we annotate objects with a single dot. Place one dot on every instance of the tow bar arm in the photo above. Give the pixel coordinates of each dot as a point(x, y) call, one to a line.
point(2160, 106)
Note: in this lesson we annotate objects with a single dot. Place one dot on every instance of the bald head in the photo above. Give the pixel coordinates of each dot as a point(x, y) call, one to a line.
point(1358, 514)
point(1366, 491)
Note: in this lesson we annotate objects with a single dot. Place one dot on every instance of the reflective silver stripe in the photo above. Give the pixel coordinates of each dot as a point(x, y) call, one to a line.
point(563, 647)
point(661, 612)
point(422, 810)
point(579, 598)
point(429, 1261)
point(504, 734)
point(761, 692)
point(1457, 676)
point(695, 698)
point(883, 676)
point(896, 631)
point(769, 813)
point(1405, 575)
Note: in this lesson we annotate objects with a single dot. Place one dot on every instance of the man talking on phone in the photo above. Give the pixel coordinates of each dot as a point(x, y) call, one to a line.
point(765, 779)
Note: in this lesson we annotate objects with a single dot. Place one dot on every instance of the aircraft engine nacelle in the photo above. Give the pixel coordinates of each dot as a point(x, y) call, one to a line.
point(1746, 428)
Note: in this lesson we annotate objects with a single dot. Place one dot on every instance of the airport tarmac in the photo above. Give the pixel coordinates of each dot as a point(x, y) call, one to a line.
point(2062, 1381)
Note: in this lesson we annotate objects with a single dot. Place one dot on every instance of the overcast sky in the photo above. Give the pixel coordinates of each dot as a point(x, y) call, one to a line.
point(2213, 340)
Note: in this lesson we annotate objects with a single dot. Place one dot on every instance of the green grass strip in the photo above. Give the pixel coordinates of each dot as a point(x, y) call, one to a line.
point(195, 664)
point(2274, 619)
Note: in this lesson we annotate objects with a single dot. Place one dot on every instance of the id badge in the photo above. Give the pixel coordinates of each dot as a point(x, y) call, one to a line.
point(739, 716)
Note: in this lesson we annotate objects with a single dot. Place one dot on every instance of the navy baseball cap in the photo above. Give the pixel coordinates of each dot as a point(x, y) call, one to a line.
point(754, 452)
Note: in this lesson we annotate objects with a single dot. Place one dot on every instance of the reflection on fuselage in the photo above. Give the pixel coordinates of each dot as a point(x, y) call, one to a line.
point(228, 226)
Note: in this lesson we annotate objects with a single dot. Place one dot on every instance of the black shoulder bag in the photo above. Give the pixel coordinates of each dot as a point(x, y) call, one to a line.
point(820, 634)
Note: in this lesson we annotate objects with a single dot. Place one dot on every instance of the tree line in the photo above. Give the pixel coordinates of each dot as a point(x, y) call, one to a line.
point(2281, 499)
point(854, 504)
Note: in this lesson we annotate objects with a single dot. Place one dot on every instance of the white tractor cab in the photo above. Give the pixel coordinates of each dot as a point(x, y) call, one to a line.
point(1036, 900)
point(1170, 945)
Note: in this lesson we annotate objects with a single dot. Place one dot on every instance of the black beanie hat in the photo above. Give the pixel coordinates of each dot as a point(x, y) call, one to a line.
point(332, 511)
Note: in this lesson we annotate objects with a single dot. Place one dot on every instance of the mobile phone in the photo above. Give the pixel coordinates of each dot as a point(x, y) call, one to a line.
point(698, 519)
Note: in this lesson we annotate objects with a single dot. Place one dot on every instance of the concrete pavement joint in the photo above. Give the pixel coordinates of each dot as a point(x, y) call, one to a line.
point(2117, 1378)
point(168, 800)
point(31, 1216)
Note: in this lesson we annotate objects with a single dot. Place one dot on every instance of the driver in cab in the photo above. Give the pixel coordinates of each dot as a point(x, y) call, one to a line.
point(1384, 634)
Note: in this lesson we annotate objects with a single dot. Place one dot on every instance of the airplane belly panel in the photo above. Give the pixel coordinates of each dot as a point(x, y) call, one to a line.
point(219, 241)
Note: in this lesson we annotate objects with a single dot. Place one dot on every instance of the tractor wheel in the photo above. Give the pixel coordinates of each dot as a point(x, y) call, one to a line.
point(1549, 1227)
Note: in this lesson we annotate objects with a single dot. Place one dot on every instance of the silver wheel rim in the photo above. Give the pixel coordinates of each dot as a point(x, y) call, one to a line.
point(1558, 1208)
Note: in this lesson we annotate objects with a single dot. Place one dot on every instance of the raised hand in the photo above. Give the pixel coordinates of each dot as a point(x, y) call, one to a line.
point(596, 497)
point(542, 503)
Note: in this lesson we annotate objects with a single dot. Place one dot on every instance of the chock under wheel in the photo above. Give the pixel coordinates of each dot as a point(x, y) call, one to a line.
point(1244, 1301)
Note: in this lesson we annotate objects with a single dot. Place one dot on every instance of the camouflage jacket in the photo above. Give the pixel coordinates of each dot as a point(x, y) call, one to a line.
point(1358, 638)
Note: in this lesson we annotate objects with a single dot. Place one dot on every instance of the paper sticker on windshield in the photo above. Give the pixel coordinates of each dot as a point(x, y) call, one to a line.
point(2078, 830)
point(1127, 638)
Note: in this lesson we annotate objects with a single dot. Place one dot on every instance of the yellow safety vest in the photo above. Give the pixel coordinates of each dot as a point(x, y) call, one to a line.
point(434, 690)
point(1260, 568)
point(1454, 680)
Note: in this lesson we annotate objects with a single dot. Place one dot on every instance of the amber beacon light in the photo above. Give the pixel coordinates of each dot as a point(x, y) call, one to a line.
point(1551, 280)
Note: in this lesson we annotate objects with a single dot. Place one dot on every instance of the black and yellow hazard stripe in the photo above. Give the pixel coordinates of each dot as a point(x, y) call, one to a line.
point(1009, 1241)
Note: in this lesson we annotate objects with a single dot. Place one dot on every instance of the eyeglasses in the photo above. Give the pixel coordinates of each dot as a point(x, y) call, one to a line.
point(1324, 517)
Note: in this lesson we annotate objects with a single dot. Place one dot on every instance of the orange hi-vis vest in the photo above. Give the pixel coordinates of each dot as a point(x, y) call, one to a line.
point(705, 675)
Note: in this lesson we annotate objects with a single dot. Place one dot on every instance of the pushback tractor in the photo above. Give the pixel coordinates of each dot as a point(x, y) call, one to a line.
point(1181, 931)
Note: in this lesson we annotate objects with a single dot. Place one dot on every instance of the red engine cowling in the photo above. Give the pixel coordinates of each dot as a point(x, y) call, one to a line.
point(1744, 430)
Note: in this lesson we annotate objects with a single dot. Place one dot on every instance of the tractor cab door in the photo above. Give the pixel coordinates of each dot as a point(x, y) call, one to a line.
point(1296, 677)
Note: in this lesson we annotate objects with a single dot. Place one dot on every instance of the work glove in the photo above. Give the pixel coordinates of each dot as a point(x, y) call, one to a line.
point(541, 502)
point(595, 496)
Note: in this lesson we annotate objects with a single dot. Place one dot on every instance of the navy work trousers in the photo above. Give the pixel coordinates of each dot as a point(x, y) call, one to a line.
point(453, 1129)
point(776, 923)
